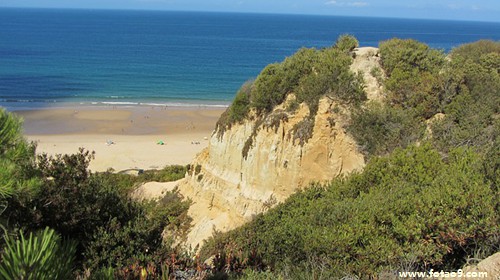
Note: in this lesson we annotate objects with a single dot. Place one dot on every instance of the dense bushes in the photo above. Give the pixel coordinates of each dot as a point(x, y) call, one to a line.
point(412, 68)
point(421, 84)
point(412, 205)
point(269, 89)
point(346, 43)
point(471, 99)
point(379, 129)
point(112, 229)
point(333, 78)
point(477, 52)
point(238, 110)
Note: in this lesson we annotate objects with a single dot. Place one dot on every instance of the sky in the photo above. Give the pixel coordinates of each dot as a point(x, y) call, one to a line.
point(476, 10)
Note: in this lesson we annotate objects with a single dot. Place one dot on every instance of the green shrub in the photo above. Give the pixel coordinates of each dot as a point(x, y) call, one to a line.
point(476, 51)
point(238, 110)
point(379, 129)
point(241, 103)
point(413, 69)
point(409, 55)
point(268, 89)
point(120, 245)
point(253, 275)
point(296, 67)
point(167, 174)
point(491, 61)
point(347, 43)
point(110, 227)
point(10, 131)
point(16, 157)
point(40, 256)
point(471, 102)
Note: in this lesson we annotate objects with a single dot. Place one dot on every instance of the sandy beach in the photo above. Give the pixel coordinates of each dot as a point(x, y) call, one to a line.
point(123, 137)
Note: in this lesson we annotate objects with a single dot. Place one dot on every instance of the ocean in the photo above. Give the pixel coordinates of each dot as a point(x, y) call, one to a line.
point(55, 57)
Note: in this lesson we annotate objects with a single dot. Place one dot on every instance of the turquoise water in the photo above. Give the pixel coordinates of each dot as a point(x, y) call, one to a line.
point(52, 57)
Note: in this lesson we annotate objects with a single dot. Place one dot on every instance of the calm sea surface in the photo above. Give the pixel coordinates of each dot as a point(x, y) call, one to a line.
point(51, 57)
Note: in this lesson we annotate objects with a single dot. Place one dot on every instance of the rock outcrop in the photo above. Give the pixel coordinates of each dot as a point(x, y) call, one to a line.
point(229, 185)
point(488, 268)
point(367, 62)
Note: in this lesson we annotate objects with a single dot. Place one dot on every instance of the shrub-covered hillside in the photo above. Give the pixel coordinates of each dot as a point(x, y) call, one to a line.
point(456, 95)
point(428, 197)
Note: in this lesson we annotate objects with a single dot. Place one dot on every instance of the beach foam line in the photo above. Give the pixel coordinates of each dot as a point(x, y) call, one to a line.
point(114, 103)
point(14, 105)
point(166, 104)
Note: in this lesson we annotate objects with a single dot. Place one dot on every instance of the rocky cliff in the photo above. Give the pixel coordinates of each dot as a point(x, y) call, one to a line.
point(236, 178)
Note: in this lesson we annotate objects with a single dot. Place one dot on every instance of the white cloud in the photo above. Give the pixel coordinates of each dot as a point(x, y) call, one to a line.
point(359, 4)
point(457, 6)
point(347, 3)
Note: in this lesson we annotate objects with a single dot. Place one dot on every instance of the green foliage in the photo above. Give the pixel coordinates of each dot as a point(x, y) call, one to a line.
point(421, 83)
point(71, 200)
point(347, 43)
point(297, 66)
point(10, 131)
point(492, 164)
point(241, 103)
point(409, 55)
point(412, 70)
point(238, 110)
point(39, 256)
point(268, 89)
point(97, 211)
point(378, 74)
point(379, 129)
point(410, 204)
point(127, 183)
point(476, 51)
point(118, 245)
point(17, 173)
point(470, 100)
point(167, 174)
point(333, 78)
point(16, 155)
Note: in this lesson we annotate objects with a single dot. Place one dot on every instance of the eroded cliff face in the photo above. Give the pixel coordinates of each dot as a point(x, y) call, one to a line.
point(229, 186)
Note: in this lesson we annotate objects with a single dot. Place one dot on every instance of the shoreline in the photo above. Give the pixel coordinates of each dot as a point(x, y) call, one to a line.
point(123, 137)
point(129, 104)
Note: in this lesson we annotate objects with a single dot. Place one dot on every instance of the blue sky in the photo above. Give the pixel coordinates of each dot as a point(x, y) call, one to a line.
point(483, 10)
